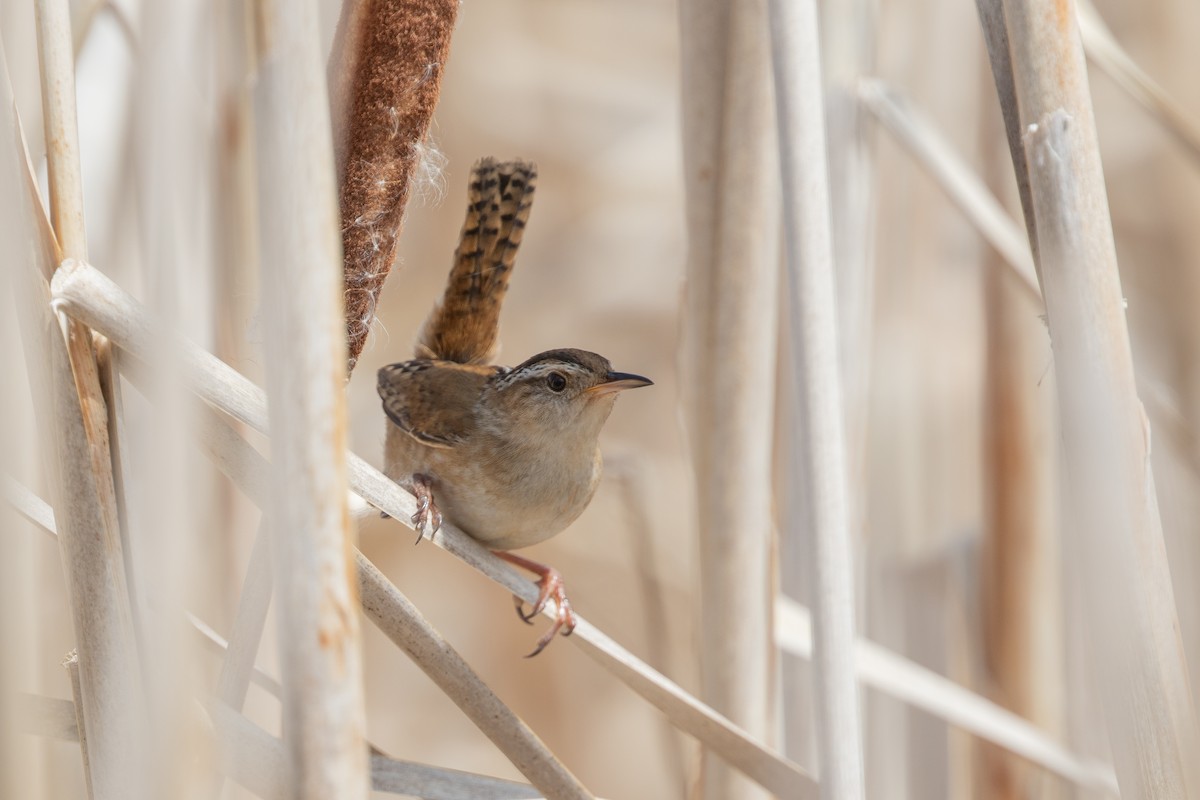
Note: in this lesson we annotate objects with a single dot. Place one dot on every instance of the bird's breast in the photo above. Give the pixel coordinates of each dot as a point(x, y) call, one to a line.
point(507, 497)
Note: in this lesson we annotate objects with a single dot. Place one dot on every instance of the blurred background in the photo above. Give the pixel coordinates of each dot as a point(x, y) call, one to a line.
point(590, 91)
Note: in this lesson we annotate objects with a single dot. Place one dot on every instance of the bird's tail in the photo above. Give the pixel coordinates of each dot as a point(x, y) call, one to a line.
point(465, 325)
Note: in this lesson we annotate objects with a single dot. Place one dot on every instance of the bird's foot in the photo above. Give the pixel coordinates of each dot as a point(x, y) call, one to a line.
point(427, 514)
point(550, 587)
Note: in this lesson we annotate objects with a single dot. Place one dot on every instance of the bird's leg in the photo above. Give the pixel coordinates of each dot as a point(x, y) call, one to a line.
point(550, 586)
point(427, 510)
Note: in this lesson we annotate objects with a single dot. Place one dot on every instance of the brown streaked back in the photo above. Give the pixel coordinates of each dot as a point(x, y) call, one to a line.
point(465, 325)
point(433, 401)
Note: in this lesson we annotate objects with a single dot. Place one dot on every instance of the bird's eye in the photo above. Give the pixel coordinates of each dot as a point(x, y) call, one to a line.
point(556, 382)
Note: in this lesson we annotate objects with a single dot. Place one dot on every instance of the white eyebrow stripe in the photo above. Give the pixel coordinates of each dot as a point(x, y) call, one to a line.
point(537, 370)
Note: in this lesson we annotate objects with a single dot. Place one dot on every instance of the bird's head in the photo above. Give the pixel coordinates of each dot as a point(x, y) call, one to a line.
point(559, 392)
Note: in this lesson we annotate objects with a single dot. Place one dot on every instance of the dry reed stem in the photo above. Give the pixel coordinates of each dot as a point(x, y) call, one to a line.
point(235, 221)
point(66, 216)
point(849, 53)
point(984, 211)
point(1021, 580)
point(237, 668)
point(922, 688)
point(250, 619)
point(250, 755)
point(849, 39)
point(99, 602)
point(57, 60)
point(1115, 521)
point(33, 508)
point(86, 294)
point(217, 644)
point(995, 37)
point(849, 36)
point(256, 760)
point(435, 783)
point(110, 389)
point(849, 31)
point(931, 150)
point(818, 449)
point(72, 428)
point(391, 611)
point(51, 717)
point(1019, 587)
point(54, 718)
point(780, 777)
point(936, 155)
point(924, 143)
point(399, 777)
point(166, 162)
point(324, 717)
point(29, 505)
point(20, 595)
point(729, 358)
point(71, 665)
point(12, 777)
point(1107, 54)
point(1110, 489)
point(385, 76)
point(632, 483)
point(238, 460)
point(86, 20)
point(876, 667)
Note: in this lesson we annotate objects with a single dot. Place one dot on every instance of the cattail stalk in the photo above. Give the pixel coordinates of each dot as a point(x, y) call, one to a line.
point(893, 675)
point(1115, 530)
point(312, 534)
point(732, 275)
point(818, 451)
point(385, 75)
point(75, 428)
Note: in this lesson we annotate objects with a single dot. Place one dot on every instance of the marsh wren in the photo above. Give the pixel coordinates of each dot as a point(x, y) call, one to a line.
point(509, 455)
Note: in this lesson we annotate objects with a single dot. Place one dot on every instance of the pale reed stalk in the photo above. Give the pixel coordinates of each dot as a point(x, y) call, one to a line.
point(817, 451)
point(85, 293)
point(312, 535)
point(1115, 530)
point(729, 358)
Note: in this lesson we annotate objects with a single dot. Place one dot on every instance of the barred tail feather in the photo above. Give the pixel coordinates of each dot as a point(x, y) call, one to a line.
point(465, 325)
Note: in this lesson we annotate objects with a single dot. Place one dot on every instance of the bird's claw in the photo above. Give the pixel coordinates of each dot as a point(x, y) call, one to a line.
point(427, 514)
point(564, 623)
point(520, 605)
point(550, 586)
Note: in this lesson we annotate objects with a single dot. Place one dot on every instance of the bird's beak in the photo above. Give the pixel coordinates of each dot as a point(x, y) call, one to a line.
point(618, 381)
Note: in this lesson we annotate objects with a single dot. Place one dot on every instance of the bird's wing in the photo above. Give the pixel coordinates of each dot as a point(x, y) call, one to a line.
point(432, 401)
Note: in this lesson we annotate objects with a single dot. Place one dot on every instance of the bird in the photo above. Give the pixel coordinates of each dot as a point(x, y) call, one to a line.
point(510, 455)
